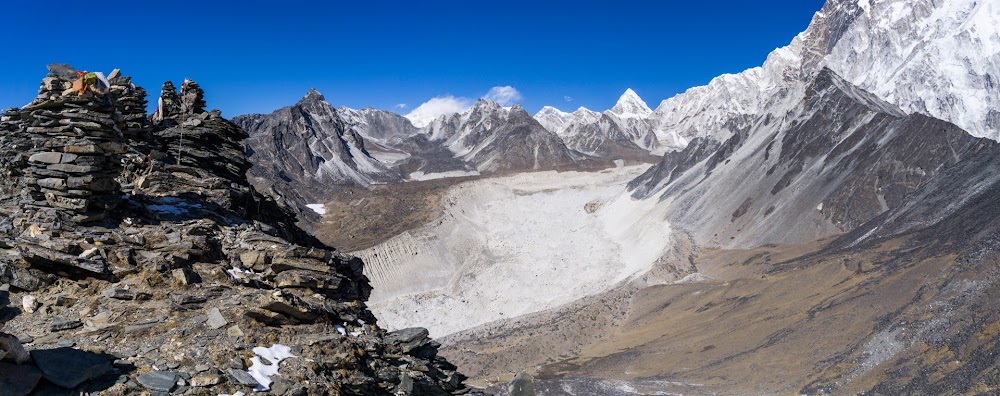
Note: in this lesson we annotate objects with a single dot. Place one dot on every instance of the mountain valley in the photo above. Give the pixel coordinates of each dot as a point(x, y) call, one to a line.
point(794, 234)
point(827, 223)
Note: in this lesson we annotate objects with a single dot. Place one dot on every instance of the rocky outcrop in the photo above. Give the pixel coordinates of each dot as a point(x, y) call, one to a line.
point(173, 267)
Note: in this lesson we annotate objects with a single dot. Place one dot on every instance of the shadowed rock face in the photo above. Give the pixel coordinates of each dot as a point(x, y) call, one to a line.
point(609, 138)
point(671, 166)
point(836, 160)
point(302, 150)
point(519, 144)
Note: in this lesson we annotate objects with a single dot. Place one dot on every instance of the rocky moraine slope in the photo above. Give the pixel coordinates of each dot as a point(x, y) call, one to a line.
point(135, 257)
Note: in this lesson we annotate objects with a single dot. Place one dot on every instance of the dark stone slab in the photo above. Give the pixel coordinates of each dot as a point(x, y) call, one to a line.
point(161, 381)
point(18, 380)
point(242, 377)
point(68, 367)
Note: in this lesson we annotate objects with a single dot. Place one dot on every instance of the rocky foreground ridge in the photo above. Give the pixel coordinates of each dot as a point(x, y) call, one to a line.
point(135, 257)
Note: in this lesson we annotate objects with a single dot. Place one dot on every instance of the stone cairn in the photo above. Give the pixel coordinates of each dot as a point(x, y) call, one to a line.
point(192, 98)
point(130, 103)
point(71, 175)
point(169, 104)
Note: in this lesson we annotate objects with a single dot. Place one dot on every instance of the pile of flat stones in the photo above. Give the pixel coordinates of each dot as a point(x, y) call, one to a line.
point(71, 173)
point(130, 104)
point(171, 274)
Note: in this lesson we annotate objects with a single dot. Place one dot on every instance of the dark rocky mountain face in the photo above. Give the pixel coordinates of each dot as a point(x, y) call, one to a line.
point(836, 160)
point(141, 260)
point(497, 140)
point(606, 138)
point(672, 166)
point(392, 139)
point(302, 150)
point(514, 141)
point(378, 125)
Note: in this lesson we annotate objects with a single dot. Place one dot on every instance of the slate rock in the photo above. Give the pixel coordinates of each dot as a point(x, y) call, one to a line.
point(215, 319)
point(409, 339)
point(18, 380)
point(68, 367)
point(162, 381)
point(242, 377)
point(60, 324)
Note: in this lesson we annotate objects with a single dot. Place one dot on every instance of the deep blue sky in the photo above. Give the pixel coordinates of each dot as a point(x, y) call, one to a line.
point(256, 57)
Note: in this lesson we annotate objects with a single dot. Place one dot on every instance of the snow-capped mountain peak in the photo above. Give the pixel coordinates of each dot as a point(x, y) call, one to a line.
point(557, 121)
point(553, 119)
point(486, 105)
point(551, 111)
point(924, 56)
point(630, 105)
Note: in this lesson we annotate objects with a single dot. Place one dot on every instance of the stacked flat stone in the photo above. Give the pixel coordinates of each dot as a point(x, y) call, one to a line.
point(11, 116)
point(192, 98)
point(130, 102)
point(203, 153)
point(169, 104)
point(70, 175)
point(13, 143)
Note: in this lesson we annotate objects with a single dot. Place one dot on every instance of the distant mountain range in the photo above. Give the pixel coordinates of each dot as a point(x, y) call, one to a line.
point(900, 52)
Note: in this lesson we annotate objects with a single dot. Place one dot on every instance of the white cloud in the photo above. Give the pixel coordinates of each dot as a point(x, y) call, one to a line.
point(568, 98)
point(401, 106)
point(504, 96)
point(427, 112)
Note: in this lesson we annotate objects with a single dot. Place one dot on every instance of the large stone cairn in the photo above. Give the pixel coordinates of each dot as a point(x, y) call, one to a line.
point(130, 103)
point(71, 172)
point(192, 98)
point(169, 104)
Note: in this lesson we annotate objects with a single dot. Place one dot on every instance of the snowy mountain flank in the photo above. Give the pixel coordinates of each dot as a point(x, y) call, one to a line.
point(892, 58)
point(936, 58)
point(833, 162)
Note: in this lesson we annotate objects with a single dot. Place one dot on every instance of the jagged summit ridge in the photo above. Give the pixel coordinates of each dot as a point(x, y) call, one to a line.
point(900, 51)
point(313, 95)
point(306, 147)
